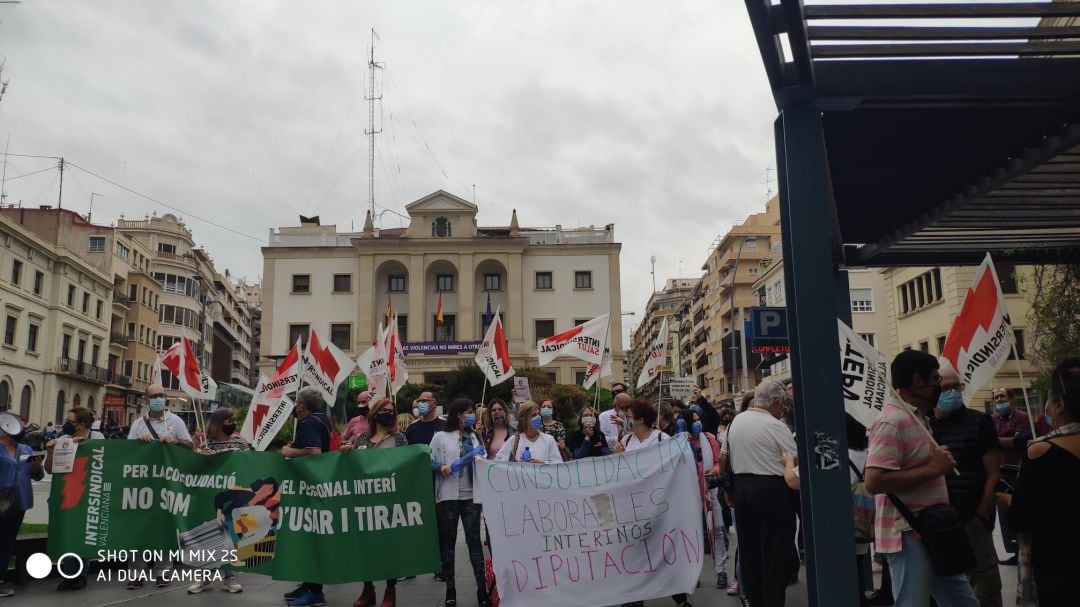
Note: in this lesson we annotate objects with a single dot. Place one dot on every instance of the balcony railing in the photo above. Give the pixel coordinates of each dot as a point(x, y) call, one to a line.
point(184, 260)
point(122, 299)
point(86, 370)
point(119, 339)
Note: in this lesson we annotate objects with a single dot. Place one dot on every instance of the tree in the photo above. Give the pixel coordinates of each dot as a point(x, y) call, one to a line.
point(1055, 312)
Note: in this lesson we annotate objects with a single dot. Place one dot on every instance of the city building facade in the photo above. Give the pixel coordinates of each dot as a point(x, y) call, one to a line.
point(343, 284)
point(666, 304)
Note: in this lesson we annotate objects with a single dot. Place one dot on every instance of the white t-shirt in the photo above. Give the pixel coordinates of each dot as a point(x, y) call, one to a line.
point(169, 424)
point(631, 442)
point(755, 443)
point(543, 448)
point(611, 429)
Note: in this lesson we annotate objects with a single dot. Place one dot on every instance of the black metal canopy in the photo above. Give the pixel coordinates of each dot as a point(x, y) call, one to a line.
point(950, 129)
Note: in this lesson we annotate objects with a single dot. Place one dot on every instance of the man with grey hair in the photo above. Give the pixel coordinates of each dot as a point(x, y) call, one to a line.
point(756, 442)
point(613, 421)
point(312, 438)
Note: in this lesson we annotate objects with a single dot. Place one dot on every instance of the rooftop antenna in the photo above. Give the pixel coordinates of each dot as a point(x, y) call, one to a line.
point(3, 179)
point(90, 213)
point(371, 132)
point(768, 182)
point(652, 262)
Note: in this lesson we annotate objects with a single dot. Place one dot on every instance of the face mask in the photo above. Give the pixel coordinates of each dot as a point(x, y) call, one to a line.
point(415, 412)
point(546, 412)
point(229, 430)
point(470, 420)
point(68, 429)
point(157, 404)
point(950, 401)
point(499, 417)
point(422, 409)
point(1003, 408)
point(588, 421)
point(384, 418)
point(537, 422)
point(363, 410)
point(695, 428)
point(1049, 421)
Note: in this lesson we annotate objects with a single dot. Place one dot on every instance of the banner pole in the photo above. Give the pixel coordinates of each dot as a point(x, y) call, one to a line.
point(299, 387)
point(1023, 387)
point(483, 392)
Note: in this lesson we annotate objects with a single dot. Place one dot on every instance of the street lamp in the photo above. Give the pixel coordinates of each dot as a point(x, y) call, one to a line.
point(734, 346)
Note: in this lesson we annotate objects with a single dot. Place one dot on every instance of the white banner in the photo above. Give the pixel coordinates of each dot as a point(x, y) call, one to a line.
point(324, 367)
point(656, 357)
point(585, 341)
point(275, 420)
point(864, 374)
point(602, 531)
point(493, 356)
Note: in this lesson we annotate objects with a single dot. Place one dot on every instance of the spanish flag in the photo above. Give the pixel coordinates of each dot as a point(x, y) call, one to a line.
point(389, 312)
point(438, 312)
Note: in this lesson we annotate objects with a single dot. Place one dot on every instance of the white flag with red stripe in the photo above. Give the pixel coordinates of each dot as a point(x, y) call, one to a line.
point(585, 341)
point(181, 361)
point(373, 363)
point(324, 366)
point(981, 337)
point(398, 372)
point(595, 372)
point(656, 358)
point(493, 356)
point(171, 360)
point(268, 395)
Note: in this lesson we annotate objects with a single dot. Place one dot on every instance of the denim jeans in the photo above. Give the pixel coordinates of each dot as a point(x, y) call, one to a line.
point(914, 582)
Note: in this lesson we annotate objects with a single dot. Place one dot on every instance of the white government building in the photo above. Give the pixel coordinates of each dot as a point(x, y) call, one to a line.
point(544, 280)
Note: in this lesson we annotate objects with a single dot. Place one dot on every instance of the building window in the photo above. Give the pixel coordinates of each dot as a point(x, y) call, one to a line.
point(403, 326)
point(298, 332)
point(543, 281)
point(85, 303)
point(342, 283)
point(341, 335)
point(919, 292)
point(544, 329)
point(166, 248)
point(16, 272)
point(750, 244)
point(553, 377)
point(752, 271)
point(862, 300)
point(444, 282)
point(580, 321)
point(445, 331)
point(301, 283)
point(924, 346)
point(1019, 335)
point(441, 228)
point(397, 283)
point(583, 280)
point(133, 290)
point(39, 282)
point(579, 376)
point(1007, 277)
point(97, 311)
point(31, 338)
point(71, 296)
point(123, 251)
point(95, 353)
point(65, 346)
point(97, 244)
point(492, 282)
point(9, 330)
point(940, 344)
point(485, 321)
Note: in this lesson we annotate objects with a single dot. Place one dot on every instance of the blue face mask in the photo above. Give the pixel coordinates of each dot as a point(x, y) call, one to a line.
point(470, 420)
point(1003, 408)
point(157, 404)
point(1048, 419)
point(546, 412)
point(537, 422)
point(695, 428)
point(950, 401)
point(423, 408)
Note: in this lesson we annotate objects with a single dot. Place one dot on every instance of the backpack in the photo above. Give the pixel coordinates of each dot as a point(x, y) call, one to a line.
point(862, 508)
point(331, 429)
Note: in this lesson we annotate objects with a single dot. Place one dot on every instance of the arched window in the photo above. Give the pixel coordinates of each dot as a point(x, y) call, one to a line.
point(90, 402)
point(76, 401)
point(441, 228)
point(60, 413)
point(24, 402)
point(5, 395)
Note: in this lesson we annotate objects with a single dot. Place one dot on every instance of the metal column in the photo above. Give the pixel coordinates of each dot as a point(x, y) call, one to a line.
point(809, 271)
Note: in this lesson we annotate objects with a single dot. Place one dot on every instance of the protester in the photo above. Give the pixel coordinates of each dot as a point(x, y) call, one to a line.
point(706, 449)
point(588, 441)
point(18, 466)
point(613, 422)
point(78, 425)
point(359, 424)
point(665, 418)
point(617, 388)
point(160, 425)
point(221, 438)
point(710, 417)
point(312, 438)
point(903, 460)
point(496, 427)
point(428, 423)
point(765, 518)
point(454, 497)
point(552, 426)
point(402, 422)
point(382, 433)
point(528, 441)
point(1043, 507)
point(863, 510)
point(642, 418)
point(1008, 423)
point(973, 443)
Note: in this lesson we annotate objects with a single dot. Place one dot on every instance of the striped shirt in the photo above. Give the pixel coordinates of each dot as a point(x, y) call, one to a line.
point(897, 443)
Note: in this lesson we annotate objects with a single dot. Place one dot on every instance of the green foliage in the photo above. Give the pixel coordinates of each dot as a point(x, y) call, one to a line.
point(569, 400)
point(1055, 312)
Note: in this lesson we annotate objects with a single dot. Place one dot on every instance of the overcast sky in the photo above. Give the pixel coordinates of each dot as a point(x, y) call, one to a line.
point(654, 116)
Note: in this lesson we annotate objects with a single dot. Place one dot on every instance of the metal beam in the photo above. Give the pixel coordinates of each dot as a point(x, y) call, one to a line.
point(874, 32)
point(939, 11)
point(799, 40)
point(761, 19)
point(958, 49)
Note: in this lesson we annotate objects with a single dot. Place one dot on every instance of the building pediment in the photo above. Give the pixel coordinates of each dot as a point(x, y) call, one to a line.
point(441, 215)
point(441, 201)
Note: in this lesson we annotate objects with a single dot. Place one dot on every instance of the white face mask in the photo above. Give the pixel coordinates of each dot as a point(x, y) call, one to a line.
point(588, 421)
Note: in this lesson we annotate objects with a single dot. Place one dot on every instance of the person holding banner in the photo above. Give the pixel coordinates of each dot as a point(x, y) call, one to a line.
point(1009, 423)
point(18, 466)
point(452, 452)
point(382, 434)
point(496, 426)
point(529, 445)
point(588, 441)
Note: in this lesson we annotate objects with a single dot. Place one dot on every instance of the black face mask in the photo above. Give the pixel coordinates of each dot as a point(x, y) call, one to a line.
point(363, 410)
point(68, 429)
point(384, 419)
point(229, 430)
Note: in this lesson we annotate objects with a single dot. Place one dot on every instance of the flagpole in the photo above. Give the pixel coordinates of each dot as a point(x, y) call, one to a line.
point(1023, 388)
point(483, 392)
point(299, 387)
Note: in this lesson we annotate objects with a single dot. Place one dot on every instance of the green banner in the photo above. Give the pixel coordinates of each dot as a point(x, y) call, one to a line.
point(331, 518)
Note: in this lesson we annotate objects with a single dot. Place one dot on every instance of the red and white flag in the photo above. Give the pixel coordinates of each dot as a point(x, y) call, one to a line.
point(981, 337)
point(268, 395)
point(656, 358)
point(373, 363)
point(275, 413)
point(181, 361)
point(585, 341)
point(493, 357)
point(595, 372)
point(324, 366)
point(395, 355)
point(170, 358)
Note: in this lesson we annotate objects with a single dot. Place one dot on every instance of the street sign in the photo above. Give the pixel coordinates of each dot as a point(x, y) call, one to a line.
point(769, 331)
point(357, 382)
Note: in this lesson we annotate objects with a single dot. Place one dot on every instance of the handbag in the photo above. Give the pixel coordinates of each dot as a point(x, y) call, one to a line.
point(942, 534)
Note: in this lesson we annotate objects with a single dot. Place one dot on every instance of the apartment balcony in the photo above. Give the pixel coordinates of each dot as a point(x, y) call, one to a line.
point(173, 258)
point(121, 300)
point(83, 370)
point(119, 339)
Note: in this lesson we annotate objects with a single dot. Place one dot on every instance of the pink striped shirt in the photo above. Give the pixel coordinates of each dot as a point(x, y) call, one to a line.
point(897, 443)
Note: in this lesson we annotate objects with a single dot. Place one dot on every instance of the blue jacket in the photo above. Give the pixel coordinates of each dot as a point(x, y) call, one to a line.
point(16, 473)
